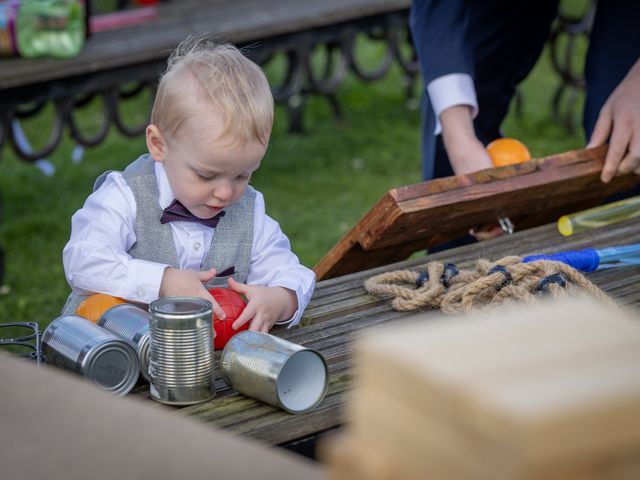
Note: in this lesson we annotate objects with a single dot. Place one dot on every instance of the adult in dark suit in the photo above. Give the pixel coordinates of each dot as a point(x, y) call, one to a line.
point(473, 54)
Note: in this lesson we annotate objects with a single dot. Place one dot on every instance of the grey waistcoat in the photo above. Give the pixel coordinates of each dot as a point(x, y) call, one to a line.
point(231, 244)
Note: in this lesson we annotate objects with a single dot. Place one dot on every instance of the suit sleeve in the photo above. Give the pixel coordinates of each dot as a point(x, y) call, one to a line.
point(438, 29)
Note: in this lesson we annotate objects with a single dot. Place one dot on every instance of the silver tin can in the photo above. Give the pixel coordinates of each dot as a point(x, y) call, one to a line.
point(181, 360)
point(131, 323)
point(278, 372)
point(74, 343)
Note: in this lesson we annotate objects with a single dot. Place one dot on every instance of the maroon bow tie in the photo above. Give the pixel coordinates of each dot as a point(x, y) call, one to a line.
point(177, 212)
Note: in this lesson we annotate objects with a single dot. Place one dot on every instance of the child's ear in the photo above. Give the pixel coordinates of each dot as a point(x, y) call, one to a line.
point(155, 143)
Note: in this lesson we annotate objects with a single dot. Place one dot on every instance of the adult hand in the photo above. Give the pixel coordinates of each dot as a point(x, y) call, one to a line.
point(620, 117)
point(189, 283)
point(265, 305)
point(466, 153)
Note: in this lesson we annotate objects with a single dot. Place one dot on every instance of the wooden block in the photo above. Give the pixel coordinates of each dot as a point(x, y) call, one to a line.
point(551, 383)
point(350, 460)
point(424, 445)
point(415, 439)
point(428, 361)
point(414, 217)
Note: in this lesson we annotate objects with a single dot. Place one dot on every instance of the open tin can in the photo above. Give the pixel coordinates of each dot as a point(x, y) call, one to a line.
point(278, 372)
point(131, 323)
point(181, 360)
point(74, 343)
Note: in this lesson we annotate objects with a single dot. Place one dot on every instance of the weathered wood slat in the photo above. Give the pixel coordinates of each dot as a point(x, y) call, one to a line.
point(414, 217)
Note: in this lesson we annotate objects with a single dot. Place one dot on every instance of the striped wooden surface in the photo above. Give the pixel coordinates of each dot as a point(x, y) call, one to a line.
point(238, 21)
point(341, 308)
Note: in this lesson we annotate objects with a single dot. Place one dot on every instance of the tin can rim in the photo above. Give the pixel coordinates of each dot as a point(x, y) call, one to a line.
point(144, 353)
point(131, 358)
point(321, 394)
point(200, 306)
point(101, 320)
point(57, 322)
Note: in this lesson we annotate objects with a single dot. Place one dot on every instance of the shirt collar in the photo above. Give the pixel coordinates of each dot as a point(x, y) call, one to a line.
point(165, 196)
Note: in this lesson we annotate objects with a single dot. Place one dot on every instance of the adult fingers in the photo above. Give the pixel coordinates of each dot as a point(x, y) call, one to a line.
point(631, 161)
point(602, 128)
point(486, 233)
point(618, 146)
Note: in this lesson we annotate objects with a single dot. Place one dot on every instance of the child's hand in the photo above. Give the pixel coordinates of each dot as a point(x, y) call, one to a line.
point(189, 283)
point(266, 305)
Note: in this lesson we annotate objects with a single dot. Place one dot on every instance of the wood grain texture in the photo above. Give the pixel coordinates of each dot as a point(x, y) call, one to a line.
point(414, 217)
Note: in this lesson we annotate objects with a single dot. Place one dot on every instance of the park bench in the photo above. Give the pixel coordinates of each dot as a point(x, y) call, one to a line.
point(111, 59)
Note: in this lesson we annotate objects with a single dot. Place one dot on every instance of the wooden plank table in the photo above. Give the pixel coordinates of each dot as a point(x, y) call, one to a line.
point(340, 309)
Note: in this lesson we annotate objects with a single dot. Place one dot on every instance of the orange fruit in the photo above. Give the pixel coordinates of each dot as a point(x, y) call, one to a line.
point(507, 151)
point(94, 306)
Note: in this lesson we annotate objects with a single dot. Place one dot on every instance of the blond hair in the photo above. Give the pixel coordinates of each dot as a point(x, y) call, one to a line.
point(236, 87)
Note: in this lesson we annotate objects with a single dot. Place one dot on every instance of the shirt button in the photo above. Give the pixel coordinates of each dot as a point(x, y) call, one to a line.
point(196, 246)
point(140, 292)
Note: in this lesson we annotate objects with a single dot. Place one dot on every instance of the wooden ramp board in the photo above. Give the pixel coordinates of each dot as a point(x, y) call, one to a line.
point(410, 218)
point(549, 391)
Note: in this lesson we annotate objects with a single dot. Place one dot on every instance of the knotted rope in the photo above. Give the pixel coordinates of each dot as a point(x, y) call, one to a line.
point(455, 291)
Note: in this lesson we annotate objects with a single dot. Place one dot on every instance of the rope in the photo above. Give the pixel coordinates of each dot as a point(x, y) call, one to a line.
point(456, 291)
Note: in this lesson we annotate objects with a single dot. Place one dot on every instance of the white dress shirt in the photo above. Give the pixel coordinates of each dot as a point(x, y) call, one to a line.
point(450, 90)
point(102, 232)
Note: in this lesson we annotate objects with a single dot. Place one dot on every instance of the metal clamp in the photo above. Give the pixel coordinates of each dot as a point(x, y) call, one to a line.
point(506, 225)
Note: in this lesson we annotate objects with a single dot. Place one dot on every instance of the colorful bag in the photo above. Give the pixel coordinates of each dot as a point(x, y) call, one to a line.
point(38, 28)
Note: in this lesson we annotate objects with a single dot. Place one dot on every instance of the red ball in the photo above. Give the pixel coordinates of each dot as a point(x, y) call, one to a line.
point(233, 304)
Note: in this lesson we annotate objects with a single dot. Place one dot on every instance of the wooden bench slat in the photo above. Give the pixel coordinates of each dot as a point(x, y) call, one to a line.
point(238, 21)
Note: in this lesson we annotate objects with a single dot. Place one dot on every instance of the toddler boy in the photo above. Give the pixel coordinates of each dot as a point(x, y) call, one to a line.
point(182, 218)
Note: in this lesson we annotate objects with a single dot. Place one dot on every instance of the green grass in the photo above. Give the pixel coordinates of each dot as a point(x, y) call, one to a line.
point(317, 184)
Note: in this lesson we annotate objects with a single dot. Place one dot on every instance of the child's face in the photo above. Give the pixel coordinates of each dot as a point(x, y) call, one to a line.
point(207, 173)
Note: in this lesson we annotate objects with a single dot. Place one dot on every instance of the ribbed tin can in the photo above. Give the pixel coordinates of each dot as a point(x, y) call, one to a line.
point(181, 360)
point(131, 323)
point(276, 371)
point(74, 343)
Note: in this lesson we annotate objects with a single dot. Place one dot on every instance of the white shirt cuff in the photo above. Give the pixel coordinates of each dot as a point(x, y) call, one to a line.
point(142, 284)
point(302, 302)
point(450, 90)
point(147, 278)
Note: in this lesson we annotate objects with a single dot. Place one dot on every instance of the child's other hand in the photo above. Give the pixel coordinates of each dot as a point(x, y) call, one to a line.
point(265, 306)
point(189, 283)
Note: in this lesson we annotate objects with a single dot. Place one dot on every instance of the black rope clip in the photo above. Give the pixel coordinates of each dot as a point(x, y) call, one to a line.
point(450, 271)
point(422, 277)
point(507, 276)
point(543, 285)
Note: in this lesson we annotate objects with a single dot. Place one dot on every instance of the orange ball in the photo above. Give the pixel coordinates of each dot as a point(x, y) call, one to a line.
point(508, 151)
point(94, 306)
